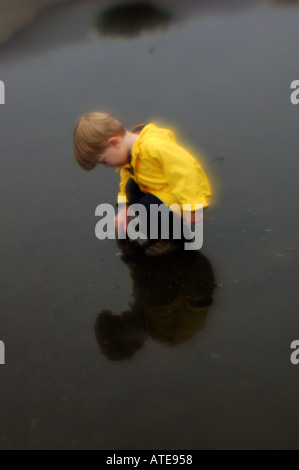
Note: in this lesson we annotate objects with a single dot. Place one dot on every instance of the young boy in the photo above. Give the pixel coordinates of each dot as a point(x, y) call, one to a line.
point(154, 169)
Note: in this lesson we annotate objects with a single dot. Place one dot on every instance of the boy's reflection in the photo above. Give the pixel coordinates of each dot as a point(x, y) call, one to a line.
point(171, 298)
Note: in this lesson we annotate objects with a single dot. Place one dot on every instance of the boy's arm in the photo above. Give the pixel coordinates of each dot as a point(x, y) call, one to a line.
point(121, 219)
point(124, 177)
point(185, 176)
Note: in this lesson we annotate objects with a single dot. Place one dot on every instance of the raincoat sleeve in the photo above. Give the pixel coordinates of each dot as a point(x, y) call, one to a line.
point(185, 176)
point(124, 177)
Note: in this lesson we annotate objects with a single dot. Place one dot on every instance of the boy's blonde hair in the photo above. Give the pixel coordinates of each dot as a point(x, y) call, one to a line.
point(91, 137)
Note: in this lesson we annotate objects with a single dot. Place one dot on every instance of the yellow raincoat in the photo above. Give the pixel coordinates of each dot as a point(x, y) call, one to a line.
point(163, 168)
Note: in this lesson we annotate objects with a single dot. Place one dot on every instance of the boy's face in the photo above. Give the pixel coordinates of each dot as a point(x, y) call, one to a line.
point(117, 154)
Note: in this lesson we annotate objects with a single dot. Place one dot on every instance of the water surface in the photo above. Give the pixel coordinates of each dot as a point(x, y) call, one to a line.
point(206, 340)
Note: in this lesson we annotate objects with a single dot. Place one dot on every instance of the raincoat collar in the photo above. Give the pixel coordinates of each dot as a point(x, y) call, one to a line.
point(135, 151)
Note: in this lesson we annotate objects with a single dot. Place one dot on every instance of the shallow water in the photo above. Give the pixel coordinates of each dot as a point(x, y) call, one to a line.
point(195, 366)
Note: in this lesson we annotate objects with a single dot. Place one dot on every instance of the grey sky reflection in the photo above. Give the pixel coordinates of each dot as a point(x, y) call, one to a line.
point(82, 16)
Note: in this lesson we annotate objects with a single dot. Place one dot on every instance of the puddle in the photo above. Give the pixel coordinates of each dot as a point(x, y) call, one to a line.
point(104, 352)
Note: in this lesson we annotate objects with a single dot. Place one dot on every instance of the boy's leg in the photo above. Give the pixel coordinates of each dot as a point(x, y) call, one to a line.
point(164, 220)
point(133, 192)
point(159, 219)
point(158, 245)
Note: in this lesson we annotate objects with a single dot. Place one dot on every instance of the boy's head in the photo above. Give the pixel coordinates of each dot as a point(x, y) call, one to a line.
point(91, 137)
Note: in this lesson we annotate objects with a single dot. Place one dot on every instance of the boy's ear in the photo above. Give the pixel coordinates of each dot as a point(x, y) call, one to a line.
point(114, 141)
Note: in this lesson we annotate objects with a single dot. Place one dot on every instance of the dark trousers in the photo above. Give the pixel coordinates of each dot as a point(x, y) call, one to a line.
point(135, 195)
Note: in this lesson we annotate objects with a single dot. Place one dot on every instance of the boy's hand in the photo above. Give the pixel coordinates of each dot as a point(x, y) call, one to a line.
point(121, 221)
point(193, 217)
